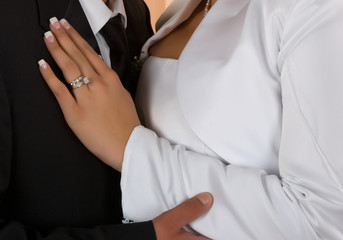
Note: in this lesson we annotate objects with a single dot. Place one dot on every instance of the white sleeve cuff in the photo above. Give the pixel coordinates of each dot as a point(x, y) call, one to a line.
point(140, 193)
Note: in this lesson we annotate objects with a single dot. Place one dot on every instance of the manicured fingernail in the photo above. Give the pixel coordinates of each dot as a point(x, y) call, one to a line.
point(205, 198)
point(48, 35)
point(54, 22)
point(64, 23)
point(42, 64)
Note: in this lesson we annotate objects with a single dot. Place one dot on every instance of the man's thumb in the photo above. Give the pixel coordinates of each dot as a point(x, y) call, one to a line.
point(188, 211)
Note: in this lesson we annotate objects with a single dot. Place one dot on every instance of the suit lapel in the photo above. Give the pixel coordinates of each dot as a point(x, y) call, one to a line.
point(70, 10)
point(48, 9)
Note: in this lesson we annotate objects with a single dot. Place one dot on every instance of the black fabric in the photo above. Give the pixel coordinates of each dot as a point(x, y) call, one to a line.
point(50, 184)
point(114, 34)
point(136, 231)
point(138, 15)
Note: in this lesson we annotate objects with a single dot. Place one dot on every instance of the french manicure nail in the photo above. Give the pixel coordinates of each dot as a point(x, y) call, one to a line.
point(64, 23)
point(48, 35)
point(205, 198)
point(42, 64)
point(54, 21)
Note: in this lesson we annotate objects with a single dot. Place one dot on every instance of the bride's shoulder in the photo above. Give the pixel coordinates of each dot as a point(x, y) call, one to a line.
point(171, 11)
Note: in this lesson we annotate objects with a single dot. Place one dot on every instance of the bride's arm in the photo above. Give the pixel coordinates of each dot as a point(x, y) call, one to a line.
point(102, 113)
point(307, 201)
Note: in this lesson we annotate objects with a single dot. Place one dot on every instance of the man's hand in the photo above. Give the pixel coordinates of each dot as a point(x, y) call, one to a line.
point(169, 225)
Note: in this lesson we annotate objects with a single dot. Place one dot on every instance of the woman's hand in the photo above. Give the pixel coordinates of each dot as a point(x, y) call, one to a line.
point(101, 113)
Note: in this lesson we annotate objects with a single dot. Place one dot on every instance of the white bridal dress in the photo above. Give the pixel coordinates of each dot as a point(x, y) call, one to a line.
point(252, 112)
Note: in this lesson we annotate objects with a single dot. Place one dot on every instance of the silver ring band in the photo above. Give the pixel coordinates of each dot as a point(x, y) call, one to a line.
point(80, 81)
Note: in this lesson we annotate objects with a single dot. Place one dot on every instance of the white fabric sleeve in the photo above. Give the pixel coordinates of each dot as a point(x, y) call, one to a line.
point(307, 202)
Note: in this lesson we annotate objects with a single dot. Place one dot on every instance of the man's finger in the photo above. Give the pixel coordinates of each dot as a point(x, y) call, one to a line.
point(187, 211)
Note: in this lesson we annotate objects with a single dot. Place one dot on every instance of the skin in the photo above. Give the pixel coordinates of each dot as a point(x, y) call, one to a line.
point(102, 115)
point(169, 225)
point(173, 44)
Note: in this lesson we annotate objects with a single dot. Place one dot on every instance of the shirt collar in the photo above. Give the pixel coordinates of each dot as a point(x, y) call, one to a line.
point(98, 13)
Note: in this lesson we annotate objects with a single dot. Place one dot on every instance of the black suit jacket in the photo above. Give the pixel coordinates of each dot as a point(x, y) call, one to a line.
point(51, 187)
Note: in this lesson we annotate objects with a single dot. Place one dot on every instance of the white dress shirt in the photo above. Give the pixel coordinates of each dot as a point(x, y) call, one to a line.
point(256, 102)
point(98, 14)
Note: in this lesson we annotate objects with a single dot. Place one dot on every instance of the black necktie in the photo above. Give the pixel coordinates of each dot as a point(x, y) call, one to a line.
point(114, 34)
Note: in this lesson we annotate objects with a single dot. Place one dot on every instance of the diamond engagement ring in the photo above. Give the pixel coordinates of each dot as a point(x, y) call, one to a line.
point(78, 82)
point(86, 80)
